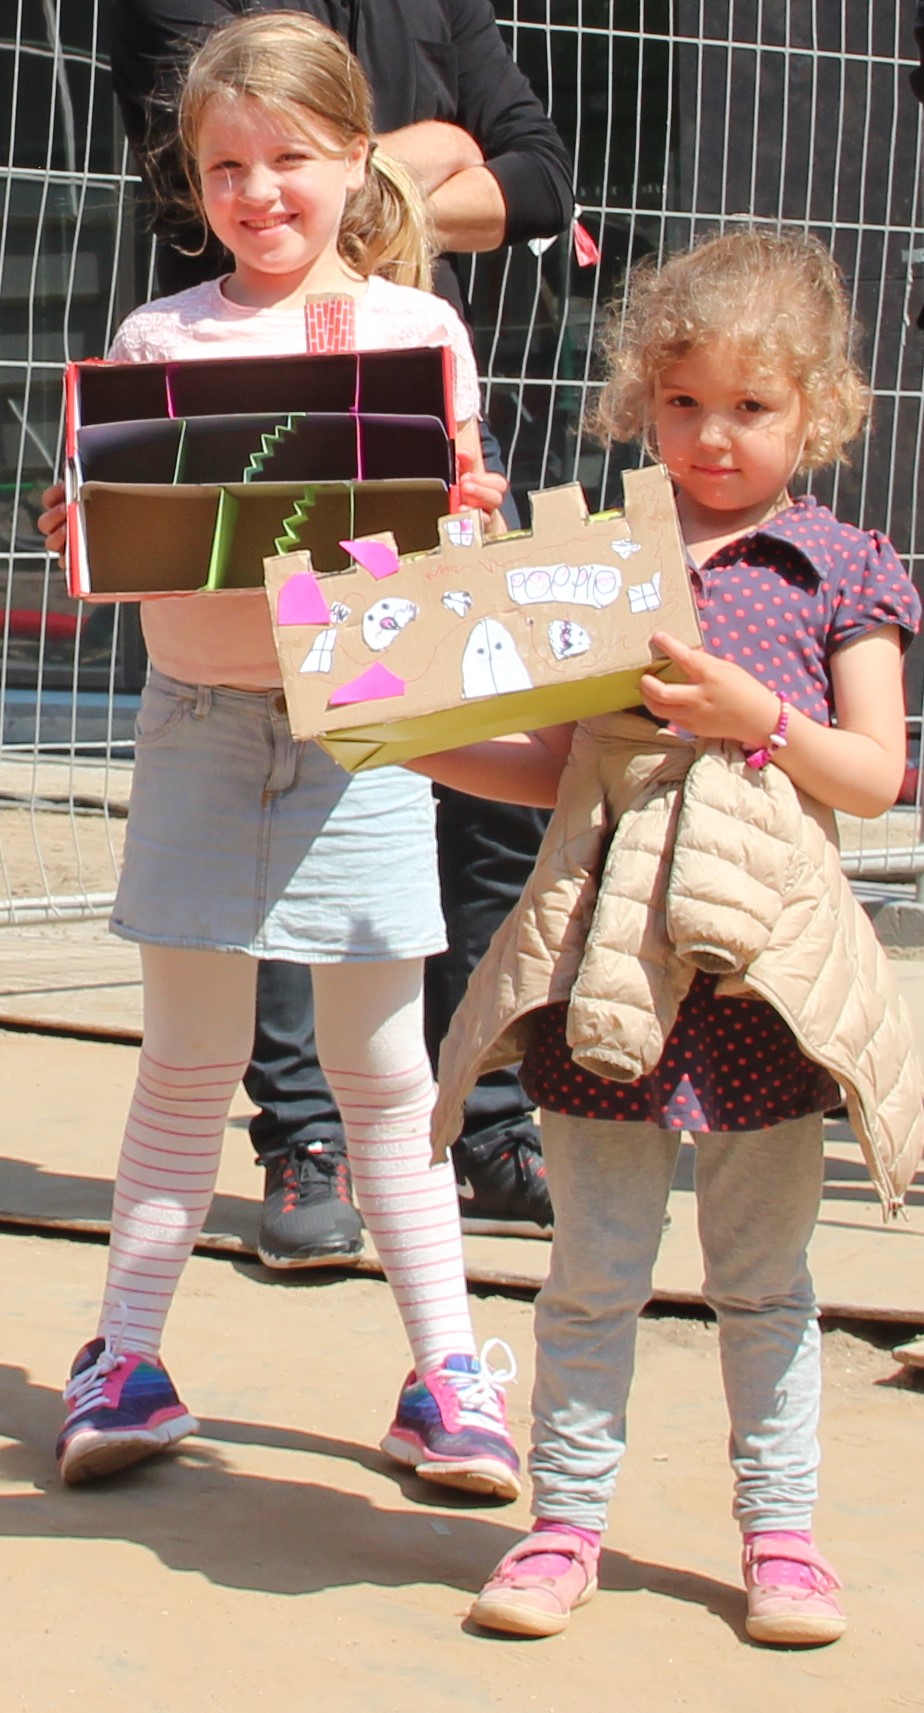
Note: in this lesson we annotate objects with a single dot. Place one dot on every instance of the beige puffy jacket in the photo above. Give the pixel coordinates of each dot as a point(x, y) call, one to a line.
point(712, 865)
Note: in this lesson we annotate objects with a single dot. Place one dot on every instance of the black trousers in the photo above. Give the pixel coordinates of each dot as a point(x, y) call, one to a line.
point(486, 854)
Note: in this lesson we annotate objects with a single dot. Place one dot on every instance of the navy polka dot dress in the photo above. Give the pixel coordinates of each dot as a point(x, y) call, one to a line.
point(778, 601)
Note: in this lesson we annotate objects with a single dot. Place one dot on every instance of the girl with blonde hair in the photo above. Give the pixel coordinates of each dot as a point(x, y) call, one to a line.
point(245, 845)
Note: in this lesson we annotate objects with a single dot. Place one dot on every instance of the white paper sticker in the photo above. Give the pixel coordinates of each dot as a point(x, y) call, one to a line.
point(567, 639)
point(460, 531)
point(385, 620)
point(645, 597)
point(579, 585)
point(320, 656)
point(458, 602)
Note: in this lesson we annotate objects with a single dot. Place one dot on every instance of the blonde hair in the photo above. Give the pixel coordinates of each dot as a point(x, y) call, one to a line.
point(777, 296)
point(302, 71)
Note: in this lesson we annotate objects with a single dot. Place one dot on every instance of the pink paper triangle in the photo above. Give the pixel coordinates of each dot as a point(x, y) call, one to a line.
point(373, 685)
point(375, 557)
point(301, 602)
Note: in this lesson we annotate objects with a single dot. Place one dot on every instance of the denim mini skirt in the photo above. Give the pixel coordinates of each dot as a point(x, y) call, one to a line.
point(241, 839)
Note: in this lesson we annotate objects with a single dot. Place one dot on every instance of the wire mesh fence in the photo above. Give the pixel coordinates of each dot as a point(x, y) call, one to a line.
point(682, 117)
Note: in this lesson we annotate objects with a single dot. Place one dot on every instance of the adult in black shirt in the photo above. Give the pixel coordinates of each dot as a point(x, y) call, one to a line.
point(450, 103)
point(442, 81)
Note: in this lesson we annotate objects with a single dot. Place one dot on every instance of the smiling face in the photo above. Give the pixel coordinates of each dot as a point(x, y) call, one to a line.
point(731, 437)
point(275, 197)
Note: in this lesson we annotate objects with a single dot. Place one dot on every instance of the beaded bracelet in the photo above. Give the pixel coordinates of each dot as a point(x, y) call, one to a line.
point(777, 740)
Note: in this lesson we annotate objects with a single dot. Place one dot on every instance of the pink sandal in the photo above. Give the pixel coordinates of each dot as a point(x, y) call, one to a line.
point(520, 1603)
point(783, 1612)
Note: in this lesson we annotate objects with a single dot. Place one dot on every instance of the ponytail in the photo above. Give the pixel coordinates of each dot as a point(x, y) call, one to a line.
point(385, 227)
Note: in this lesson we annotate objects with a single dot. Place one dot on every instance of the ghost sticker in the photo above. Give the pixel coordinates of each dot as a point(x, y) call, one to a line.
point(320, 656)
point(458, 602)
point(645, 597)
point(491, 665)
point(385, 620)
point(567, 639)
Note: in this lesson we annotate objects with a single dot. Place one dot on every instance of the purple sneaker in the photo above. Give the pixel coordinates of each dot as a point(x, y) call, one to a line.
point(122, 1407)
point(451, 1425)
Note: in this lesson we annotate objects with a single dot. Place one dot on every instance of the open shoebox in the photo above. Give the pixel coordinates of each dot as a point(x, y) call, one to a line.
point(405, 654)
point(182, 477)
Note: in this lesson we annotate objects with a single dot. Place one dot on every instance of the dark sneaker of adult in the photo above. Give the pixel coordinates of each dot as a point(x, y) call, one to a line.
point(502, 1186)
point(308, 1215)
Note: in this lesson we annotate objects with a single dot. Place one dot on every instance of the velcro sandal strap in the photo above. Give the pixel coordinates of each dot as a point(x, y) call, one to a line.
point(767, 1548)
point(550, 1540)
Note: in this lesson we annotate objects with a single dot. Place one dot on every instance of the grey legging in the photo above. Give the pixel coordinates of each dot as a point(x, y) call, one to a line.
point(758, 1195)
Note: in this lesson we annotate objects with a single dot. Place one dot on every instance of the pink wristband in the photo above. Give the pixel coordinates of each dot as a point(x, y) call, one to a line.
point(777, 740)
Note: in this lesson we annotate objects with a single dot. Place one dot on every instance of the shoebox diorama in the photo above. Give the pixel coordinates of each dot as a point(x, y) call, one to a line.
point(402, 655)
point(182, 477)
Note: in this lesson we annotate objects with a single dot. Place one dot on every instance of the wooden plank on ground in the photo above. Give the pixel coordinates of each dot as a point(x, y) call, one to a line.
point(64, 1106)
point(70, 976)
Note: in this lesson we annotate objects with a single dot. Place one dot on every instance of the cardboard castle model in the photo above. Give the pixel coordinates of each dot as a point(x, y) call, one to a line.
point(401, 656)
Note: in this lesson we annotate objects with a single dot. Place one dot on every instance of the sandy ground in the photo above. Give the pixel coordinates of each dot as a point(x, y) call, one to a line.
point(280, 1561)
point(52, 852)
point(62, 826)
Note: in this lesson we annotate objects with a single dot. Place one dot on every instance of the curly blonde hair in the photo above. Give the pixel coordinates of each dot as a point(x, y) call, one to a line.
point(302, 71)
point(777, 296)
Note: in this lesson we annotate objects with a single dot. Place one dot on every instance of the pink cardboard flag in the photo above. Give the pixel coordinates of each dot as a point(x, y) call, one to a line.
point(373, 685)
point(301, 602)
point(374, 556)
